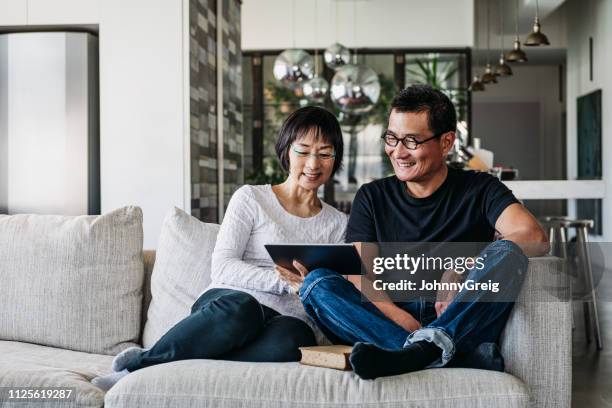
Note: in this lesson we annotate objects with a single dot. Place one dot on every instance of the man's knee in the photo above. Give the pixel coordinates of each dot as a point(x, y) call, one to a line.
point(321, 279)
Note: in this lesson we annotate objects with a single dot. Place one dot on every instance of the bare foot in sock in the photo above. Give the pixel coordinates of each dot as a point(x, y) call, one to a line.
point(106, 382)
point(123, 359)
point(370, 362)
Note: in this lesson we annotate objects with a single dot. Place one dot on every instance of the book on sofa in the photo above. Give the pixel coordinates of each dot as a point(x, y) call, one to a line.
point(336, 356)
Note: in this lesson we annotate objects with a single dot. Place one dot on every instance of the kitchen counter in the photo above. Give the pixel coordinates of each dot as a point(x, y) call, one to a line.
point(556, 189)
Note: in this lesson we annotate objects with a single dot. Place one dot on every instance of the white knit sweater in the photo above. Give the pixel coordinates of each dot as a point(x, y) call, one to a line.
point(255, 217)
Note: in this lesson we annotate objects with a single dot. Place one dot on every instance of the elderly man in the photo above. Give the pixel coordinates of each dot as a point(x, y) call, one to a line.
point(425, 201)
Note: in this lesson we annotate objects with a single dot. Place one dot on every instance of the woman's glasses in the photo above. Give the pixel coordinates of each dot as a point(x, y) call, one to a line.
point(320, 156)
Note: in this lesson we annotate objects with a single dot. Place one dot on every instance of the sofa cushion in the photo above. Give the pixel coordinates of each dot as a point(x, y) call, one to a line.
point(72, 282)
point(30, 365)
point(181, 271)
point(199, 383)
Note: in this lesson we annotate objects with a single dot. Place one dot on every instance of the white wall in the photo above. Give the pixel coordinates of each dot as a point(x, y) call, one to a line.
point(590, 18)
point(530, 84)
point(267, 24)
point(143, 96)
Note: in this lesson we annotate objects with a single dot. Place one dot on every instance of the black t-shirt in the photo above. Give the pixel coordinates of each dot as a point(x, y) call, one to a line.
point(463, 209)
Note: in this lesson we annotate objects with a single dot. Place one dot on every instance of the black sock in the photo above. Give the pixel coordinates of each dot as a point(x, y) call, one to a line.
point(370, 362)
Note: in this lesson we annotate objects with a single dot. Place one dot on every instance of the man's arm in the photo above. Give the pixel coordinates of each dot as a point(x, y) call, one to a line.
point(518, 225)
point(367, 252)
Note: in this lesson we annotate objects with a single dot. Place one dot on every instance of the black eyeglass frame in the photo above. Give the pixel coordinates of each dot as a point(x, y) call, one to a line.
point(404, 140)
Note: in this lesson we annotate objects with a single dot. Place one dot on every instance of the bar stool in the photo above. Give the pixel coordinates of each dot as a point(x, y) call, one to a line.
point(558, 233)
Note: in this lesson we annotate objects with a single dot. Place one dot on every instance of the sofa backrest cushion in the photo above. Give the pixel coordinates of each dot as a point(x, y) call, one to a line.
point(181, 271)
point(73, 282)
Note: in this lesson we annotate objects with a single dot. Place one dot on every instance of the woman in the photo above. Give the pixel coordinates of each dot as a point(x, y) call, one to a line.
point(248, 313)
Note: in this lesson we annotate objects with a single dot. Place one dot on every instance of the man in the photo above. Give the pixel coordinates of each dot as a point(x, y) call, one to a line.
point(425, 201)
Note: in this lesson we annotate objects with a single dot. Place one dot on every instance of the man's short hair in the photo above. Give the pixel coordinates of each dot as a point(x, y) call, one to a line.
point(423, 98)
point(304, 120)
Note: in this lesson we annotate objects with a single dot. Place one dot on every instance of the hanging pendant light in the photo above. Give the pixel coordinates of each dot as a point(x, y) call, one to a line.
point(516, 55)
point(502, 69)
point(488, 77)
point(336, 55)
point(355, 88)
point(476, 85)
point(293, 66)
point(536, 37)
point(315, 89)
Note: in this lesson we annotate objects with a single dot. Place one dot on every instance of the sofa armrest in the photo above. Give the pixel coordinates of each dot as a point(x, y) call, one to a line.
point(536, 342)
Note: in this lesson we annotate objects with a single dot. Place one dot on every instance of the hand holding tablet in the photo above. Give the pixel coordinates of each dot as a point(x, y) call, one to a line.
point(342, 258)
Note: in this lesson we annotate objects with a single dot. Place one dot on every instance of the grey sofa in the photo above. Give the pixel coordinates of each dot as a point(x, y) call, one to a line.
point(536, 345)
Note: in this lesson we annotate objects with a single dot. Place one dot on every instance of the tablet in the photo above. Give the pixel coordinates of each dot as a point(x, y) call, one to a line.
point(342, 258)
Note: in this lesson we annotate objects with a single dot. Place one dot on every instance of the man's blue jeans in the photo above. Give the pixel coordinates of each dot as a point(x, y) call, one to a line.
point(467, 332)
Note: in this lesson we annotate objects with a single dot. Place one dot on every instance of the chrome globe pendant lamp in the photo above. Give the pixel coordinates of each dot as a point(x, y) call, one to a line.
point(488, 77)
point(355, 88)
point(536, 37)
point(293, 66)
point(315, 90)
point(336, 55)
point(502, 69)
point(516, 54)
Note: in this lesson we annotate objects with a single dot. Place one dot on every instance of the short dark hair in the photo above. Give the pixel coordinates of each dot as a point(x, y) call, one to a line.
point(302, 121)
point(423, 98)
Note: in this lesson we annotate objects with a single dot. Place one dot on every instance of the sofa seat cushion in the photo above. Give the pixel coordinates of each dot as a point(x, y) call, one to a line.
point(31, 365)
point(198, 383)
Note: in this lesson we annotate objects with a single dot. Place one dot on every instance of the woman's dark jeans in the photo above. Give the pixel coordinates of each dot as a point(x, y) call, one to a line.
point(227, 324)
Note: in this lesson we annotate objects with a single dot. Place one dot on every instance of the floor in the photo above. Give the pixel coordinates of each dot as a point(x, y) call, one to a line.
point(592, 370)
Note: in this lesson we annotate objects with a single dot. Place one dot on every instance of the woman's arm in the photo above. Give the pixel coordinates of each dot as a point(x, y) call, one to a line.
point(227, 264)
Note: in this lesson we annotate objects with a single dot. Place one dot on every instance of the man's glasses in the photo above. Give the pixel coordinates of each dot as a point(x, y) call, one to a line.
point(321, 156)
point(409, 142)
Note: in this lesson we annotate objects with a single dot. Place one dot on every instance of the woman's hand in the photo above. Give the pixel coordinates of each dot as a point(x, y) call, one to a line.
point(295, 280)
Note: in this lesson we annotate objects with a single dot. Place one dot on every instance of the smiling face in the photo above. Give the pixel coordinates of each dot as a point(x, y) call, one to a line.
point(428, 160)
point(311, 161)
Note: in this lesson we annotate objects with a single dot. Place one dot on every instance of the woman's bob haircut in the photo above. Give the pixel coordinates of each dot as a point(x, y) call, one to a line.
point(303, 121)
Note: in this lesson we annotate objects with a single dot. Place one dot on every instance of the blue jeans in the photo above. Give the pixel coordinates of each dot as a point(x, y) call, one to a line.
point(467, 332)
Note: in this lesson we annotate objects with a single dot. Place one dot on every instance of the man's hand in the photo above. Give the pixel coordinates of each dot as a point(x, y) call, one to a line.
point(445, 297)
point(295, 280)
point(402, 318)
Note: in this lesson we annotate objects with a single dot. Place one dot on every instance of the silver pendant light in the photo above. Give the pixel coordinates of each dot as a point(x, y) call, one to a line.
point(516, 54)
point(336, 55)
point(488, 77)
point(536, 37)
point(355, 88)
point(293, 66)
point(315, 89)
point(502, 69)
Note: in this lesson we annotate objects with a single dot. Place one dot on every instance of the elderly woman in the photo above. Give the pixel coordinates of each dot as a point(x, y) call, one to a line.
point(248, 313)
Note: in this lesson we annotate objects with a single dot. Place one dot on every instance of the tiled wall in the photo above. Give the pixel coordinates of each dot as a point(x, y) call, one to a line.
point(233, 174)
point(203, 22)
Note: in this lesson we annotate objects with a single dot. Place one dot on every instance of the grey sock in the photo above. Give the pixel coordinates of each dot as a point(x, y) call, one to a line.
point(123, 359)
point(106, 382)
